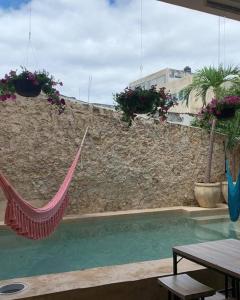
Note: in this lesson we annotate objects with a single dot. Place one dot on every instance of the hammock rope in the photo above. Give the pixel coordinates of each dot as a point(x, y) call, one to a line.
point(37, 223)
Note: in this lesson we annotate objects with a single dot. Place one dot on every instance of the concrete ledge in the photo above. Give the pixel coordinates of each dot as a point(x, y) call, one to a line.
point(77, 280)
point(188, 210)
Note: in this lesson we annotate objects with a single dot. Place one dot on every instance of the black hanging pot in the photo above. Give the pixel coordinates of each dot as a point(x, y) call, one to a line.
point(226, 113)
point(27, 88)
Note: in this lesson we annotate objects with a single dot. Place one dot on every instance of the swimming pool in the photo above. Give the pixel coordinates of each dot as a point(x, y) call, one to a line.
point(88, 243)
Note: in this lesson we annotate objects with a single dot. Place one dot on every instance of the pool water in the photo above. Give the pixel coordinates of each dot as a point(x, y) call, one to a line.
point(92, 243)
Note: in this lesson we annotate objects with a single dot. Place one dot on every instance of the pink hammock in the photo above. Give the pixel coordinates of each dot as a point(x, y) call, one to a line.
point(37, 223)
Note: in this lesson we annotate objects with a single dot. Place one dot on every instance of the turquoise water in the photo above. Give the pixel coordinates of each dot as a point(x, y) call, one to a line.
point(111, 241)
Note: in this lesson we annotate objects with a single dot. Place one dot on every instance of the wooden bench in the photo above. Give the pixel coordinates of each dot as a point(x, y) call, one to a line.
point(185, 287)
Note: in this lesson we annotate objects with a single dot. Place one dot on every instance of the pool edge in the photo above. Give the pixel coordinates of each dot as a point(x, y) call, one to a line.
point(90, 278)
point(188, 210)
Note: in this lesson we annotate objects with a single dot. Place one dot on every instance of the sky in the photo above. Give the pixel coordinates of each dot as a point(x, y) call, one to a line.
point(94, 46)
point(13, 3)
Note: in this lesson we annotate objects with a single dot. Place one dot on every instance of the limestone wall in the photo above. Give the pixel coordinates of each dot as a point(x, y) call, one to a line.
point(145, 166)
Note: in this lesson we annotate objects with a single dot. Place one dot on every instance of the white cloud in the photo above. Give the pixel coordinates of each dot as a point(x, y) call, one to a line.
point(74, 39)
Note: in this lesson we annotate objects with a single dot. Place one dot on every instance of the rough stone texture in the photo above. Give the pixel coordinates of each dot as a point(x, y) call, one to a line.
point(148, 165)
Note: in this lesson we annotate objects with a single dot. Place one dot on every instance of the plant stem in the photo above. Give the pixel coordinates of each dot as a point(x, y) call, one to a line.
point(210, 153)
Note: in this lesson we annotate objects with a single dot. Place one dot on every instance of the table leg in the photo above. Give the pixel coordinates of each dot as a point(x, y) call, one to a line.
point(237, 289)
point(226, 286)
point(175, 263)
point(169, 295)
point(233, 287)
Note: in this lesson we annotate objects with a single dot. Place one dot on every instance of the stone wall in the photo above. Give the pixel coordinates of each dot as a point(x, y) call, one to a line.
point(148, 165)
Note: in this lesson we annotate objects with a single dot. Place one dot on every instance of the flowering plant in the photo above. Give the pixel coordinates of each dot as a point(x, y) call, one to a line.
point(133, 101)
point(164, 102)
point(41, 80)
point(221, 109)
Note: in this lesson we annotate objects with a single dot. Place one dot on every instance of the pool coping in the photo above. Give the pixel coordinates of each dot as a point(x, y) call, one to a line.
point(189, 210)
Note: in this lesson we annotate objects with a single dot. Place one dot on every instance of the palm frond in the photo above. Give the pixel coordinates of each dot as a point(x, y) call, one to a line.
point(208, 77)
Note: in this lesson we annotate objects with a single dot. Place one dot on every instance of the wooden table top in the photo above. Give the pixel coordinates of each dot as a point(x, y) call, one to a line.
point(221, 255)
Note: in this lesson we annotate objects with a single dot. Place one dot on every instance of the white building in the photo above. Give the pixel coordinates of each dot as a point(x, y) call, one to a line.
point(161, 78)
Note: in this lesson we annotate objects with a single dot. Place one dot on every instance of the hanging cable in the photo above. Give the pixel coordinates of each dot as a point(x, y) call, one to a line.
point(30, 48)
point(224, 42)
point(141, 39)
point(89, 87)
point(29, 33)
point(30, 23)
point(219, 40)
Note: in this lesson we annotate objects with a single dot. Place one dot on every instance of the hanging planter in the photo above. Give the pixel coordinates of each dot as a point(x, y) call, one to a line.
point(133, 101)
point(29, 84)
point(222, 109)
point(27, 88)
point(226, 113)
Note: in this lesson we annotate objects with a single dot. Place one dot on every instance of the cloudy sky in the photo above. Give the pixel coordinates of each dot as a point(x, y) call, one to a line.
point(100, 39)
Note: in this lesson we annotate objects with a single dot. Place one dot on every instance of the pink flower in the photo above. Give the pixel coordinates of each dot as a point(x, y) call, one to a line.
point(163, 118)
point(231, 100)
point(31, 76)
point(13, 97)
point(214, 101)
point(3, 97)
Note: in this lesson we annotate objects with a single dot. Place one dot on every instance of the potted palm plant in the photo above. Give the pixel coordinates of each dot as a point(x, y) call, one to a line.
point(227, 126)
point(208, 193)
